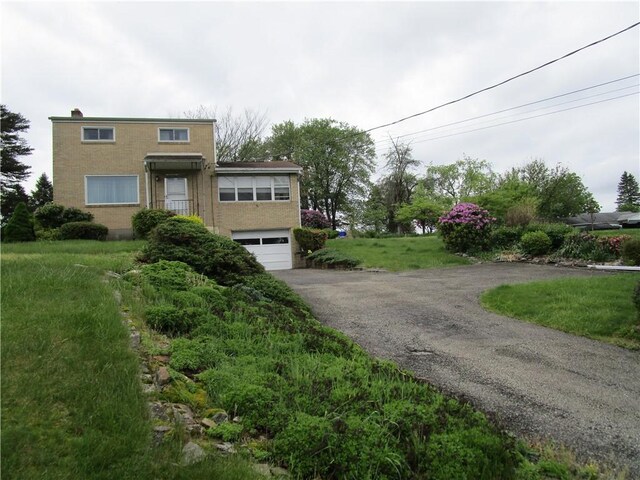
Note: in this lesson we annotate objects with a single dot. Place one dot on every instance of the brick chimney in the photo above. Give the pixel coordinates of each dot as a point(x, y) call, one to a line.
point(76, 113)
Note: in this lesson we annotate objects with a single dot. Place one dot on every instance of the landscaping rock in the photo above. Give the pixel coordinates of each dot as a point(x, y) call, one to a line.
point(158, 411)
point(280, 472)
point(192, 453)
point(262, 469)
point(149, 388)
point(112, 274)
point(163, 359)
point(237, 419)
point(207, 422)
point(162, 376)
point(146, 378)
point(183, 414)
point(135, 340)
point(159, 432)
point(220, 417)
point(226, 447)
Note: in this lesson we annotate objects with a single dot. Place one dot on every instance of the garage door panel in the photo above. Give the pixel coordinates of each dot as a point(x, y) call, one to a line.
point(272, 248)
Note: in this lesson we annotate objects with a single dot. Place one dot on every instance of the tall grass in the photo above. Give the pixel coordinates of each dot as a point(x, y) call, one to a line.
point(72, 405)
point(395, 254)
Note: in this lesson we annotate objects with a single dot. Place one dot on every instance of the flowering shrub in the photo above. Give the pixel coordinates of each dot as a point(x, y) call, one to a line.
point(314, 219)
point(465, 228)
point(614, 244)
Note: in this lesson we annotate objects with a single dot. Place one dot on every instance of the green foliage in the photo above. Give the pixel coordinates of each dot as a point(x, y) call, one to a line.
point(585, 246)
point(555, 231)
point(228, 432)
point(535, 243)
point(628, 199)
point(422, 209)
point(145, 220)
point(310, 239)
point(217, 257)
point(337, 159)
point(335, 258)
point(50, 215)
point(73, 214)
point(12, 170)
point(192, 218)
point(42, 194)
point(172, 275)
point(83, 231)
point(461, 180)
point(172, 320)
point(631, 252)
point(20, 226)
point(636, 299)
point(521, 214)
point(196, 355)
point(331, 234)
point(512, 202)
point(505, 237)
point(10, 197)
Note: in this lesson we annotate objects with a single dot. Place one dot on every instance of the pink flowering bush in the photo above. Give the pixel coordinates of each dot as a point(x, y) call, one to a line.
point(614, 244)
point(465, 228)
point(314, 219)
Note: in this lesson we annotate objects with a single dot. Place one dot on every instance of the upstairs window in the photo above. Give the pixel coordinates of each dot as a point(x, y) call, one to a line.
point(253, 189)
point(98, 134)
point(173, 134)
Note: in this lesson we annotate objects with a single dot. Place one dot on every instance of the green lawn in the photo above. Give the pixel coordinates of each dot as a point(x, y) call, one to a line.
point(72, 405)
point(597, 307)
point(634, 232)
point(395, 254)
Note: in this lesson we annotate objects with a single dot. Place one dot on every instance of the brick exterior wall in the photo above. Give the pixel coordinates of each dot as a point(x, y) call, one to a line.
point(73, 159)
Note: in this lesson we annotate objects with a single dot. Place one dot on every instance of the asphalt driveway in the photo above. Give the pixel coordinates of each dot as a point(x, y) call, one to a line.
point(532, 380)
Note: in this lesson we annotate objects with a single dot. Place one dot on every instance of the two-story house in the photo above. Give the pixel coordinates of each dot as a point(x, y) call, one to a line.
point(113, 167)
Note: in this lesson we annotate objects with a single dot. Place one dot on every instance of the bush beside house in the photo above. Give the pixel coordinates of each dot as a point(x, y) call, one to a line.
point(19, 228)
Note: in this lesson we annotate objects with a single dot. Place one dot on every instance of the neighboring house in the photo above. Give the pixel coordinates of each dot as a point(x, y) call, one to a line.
point(604, 220)
point(113, 167)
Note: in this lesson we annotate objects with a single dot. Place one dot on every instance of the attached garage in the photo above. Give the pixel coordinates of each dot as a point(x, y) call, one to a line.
point(272, 248)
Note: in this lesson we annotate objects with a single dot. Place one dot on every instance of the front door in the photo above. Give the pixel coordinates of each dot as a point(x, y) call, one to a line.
point(175, 195)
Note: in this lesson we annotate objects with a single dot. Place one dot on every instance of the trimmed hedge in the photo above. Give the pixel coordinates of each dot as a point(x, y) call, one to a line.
point(535, 243)
point(310, 239)
point(83, 231)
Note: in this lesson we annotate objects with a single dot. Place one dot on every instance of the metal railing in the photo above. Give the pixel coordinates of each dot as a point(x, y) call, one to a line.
point(179, 207)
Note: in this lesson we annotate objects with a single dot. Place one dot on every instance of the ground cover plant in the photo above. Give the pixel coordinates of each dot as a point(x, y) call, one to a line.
point(400, 253)
point(72, 405)
point(599, 307)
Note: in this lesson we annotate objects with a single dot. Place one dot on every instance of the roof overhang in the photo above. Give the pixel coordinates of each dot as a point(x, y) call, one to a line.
point(239, 170)
point(173, 161)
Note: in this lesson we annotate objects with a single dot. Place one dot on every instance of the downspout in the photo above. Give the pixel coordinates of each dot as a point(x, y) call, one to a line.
point(213, 169)
point(146, 182)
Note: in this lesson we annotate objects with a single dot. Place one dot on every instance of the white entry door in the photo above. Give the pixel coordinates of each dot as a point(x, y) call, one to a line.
point(176, 196)
point(272, 248)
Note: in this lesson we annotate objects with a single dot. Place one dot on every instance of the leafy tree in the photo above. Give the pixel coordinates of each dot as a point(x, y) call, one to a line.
point(461, 180)
point(399, 184)
point(423, 210)
point(374, 214)
point(19, 228)
point(559, 191)
point(12, 170)
point(239, 137)
point(337, 161)
point(592, 207)
point(509, 193)
point(628, 194)
point(42, 194)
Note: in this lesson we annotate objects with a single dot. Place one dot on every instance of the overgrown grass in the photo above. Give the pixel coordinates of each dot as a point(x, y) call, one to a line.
point(395, 254)
point(597, 307)
point(72, 405)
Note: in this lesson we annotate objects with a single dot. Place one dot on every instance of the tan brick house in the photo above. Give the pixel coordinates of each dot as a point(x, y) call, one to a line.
point(113, 167)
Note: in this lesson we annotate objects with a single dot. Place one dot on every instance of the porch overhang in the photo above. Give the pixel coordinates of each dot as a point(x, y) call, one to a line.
point(154, 162)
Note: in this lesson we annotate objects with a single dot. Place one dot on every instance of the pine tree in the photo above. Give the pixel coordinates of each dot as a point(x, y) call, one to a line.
point(20, 226)
point(42, 194)
point(628, 194)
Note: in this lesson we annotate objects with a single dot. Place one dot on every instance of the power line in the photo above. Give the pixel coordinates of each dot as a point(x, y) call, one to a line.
point(504, 81)
point(526, 118)
point(521, 106)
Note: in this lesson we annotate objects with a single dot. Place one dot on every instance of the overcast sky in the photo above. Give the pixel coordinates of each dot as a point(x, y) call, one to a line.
point(363, 63)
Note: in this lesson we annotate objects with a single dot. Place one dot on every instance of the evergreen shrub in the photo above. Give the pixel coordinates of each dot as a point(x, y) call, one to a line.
point(217, 257)
point(19, 228)
point(145, 220)
point(535, 243)
point(83, 231)
point(555, 231)
point(505, 237)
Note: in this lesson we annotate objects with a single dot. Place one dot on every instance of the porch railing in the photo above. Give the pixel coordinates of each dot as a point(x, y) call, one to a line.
point(179, 207)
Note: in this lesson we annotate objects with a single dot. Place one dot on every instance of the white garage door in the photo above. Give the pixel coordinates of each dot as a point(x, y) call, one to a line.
point(272, 248)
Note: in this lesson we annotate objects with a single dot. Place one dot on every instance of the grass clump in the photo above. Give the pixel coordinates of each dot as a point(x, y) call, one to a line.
point(395, 254)
point(599, 307)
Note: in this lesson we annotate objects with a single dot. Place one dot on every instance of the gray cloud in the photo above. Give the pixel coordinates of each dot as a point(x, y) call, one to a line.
point(363, 63)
